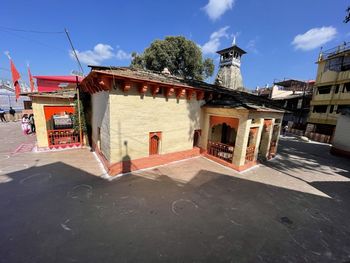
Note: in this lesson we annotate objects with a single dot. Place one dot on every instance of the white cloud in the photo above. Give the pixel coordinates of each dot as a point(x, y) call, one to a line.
point(251, 46)
point(214, 42)
point(99, 53)
point(122, 55)
point(216, 8)
point(314, 38)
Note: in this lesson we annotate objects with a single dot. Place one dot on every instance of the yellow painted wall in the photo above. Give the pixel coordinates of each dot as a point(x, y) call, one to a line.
point(39, 116)
point(133, 117)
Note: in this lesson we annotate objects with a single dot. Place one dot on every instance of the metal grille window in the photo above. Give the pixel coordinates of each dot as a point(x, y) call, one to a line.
point(324, 89)
point(336, 90)
point(333, 64)
point(320, 108)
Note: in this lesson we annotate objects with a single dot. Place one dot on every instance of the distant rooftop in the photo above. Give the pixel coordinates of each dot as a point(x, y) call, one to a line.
point(293, 83)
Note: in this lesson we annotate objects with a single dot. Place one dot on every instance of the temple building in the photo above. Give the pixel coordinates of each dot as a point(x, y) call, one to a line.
point(53, 107)
point(140, 119)
point(229, 74)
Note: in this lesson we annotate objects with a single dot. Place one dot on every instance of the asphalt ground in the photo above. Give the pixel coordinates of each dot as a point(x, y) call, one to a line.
point(55, 207)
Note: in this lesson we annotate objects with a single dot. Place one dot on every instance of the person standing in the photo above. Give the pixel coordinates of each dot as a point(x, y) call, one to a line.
point(12, 114)
point(2, 115)
point(32, 123)
point(25, 124)
point(285, 129)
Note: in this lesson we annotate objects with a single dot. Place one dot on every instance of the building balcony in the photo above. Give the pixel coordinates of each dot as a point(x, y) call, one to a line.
point(323, 118)
point(332, 76)
point(334, 97)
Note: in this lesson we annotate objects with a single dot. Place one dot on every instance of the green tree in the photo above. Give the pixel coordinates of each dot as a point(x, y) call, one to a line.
point(76, 117)
point(347, 17)
point(181, 56)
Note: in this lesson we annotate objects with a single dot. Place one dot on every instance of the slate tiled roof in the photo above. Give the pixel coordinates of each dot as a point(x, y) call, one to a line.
point(228, 97)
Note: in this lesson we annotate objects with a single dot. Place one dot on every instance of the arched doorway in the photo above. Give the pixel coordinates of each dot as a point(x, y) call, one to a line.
point(223, 133)
point(196, 136)
point(154, 143)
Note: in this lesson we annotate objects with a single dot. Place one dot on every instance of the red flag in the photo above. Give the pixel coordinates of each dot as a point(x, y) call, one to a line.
point(15, 79)
point(31, 80)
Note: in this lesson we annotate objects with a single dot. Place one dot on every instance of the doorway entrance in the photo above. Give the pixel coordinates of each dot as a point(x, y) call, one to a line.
point(154, 141)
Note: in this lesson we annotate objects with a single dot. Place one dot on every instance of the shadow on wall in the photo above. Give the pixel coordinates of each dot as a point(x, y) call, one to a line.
point(61, 206)
point(194, 114)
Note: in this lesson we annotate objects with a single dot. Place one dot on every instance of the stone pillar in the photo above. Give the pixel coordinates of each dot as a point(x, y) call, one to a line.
point(241, 142)
point(266, 140)
point(258, 139)
point(205, 131)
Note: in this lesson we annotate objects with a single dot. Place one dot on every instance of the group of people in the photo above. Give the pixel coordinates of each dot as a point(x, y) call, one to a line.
point(28, 124)
point(12, 113)
point(27, 121)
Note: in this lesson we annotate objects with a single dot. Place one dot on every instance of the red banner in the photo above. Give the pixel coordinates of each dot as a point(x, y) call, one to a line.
point(31, 80)
point(15, 78)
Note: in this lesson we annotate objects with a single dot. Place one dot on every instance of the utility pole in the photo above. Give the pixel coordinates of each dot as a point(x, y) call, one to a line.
point(74, 52)
point(79, 118)
point(77, 83)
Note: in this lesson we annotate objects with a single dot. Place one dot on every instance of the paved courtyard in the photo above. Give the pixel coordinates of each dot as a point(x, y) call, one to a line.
point(55, 207)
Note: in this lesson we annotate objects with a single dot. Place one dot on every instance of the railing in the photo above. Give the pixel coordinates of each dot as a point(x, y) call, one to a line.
point(220, 150)
point(62, 137)
point(312, 135)
point(333, 51)
point(249, 155)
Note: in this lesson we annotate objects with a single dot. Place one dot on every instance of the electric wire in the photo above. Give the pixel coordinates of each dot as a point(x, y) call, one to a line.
point(32, 31)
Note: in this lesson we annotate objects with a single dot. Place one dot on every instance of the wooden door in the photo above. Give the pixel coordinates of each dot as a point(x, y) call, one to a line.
point(154, 143)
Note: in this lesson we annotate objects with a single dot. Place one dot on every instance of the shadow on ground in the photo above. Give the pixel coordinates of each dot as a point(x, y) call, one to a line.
point(57, 213)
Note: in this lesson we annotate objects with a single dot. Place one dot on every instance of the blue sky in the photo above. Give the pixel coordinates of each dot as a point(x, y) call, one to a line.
point(282, 38)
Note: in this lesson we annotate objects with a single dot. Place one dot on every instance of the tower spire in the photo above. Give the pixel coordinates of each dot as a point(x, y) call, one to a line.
point(229, 74)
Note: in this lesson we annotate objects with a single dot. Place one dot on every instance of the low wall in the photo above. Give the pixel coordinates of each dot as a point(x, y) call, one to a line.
point(18, 116)
point(318, 137)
